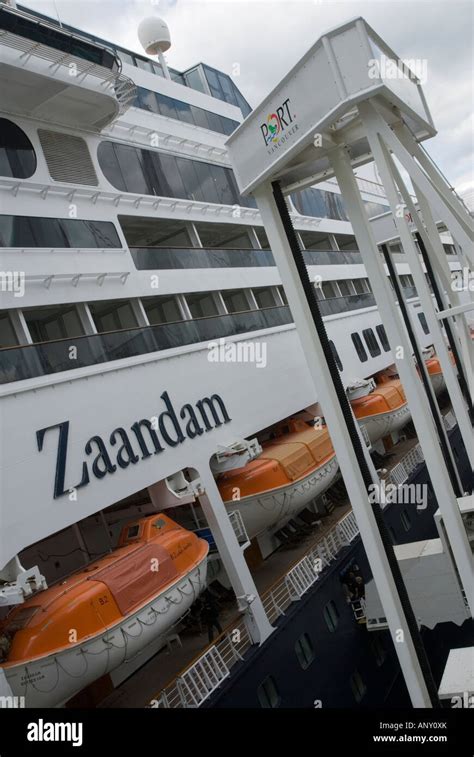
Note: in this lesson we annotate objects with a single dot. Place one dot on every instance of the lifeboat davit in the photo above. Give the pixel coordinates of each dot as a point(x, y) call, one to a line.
point(294, 468)
point(383, 409)
point(64, 638)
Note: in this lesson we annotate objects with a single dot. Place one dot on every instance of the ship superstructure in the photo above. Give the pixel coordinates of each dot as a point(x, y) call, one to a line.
point(148, 354)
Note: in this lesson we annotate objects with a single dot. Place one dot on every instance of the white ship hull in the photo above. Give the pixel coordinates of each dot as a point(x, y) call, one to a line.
point(51, 681)
point(263, 511)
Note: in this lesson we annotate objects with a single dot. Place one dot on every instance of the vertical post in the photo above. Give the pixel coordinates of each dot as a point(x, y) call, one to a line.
point(341, 440)
point(416, 397)
point(390, 175)
point(232, 556)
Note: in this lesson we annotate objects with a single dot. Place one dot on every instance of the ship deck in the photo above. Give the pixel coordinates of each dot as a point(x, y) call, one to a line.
point(143, 685)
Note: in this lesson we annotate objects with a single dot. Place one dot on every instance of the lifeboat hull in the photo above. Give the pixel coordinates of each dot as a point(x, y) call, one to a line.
point(383, 424)
point(262, 511)
point(51, 681)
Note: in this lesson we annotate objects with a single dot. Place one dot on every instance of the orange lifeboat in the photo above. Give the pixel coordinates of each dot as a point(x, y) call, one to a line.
point(384, 408)
point(62, 639)
point(296, 466)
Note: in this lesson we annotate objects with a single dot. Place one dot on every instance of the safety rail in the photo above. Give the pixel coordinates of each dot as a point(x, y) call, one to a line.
point(240, 531)
point(205, 674)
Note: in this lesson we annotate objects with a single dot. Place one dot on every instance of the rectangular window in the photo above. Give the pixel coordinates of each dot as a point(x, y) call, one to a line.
point(405, 519)
point(47, 324)
point(304, 651)
point(360, 349)
point(161, 309)
point(331, 615)
point(346, 287)
point(380, 329)
point(358, 686)
point(113, 315)
point(336, 354)
point(371, 342)
point(267, 693)
point(201, 304)
point(360, 285)
point(235, 300)
point(264, 297)
point(424, 323)
point(7, 332)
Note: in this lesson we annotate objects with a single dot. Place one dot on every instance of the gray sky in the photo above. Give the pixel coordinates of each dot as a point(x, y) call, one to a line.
point(266, 37)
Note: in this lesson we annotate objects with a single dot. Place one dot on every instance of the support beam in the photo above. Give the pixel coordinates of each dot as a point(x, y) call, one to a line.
point(397, 337)
point(390, 174)
point(341, 440)
point(232, 556)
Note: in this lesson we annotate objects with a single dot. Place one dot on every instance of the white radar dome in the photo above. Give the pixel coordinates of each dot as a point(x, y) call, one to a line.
point(154, 35)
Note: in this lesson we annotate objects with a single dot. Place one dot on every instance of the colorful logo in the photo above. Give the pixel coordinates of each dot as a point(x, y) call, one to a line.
point(276, 123)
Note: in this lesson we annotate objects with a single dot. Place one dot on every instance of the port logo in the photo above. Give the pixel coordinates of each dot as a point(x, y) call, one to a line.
point(275, 123)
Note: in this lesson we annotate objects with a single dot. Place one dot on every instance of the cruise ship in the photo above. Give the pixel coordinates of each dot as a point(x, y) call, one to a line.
point(178, 526)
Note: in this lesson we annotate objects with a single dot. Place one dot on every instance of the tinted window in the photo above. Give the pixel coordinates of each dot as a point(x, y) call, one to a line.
point(331, 616)
point(235, 300)
point(201, 304)
point(357, 341)
point(19, 231)
point(380, 329)
point(336, 355)
point(304, 651)
point(17, 156)
point(424, 324)
point(371, 341)
point(110, 165)
point(167, 106)
point(59, 322)
point(7, 332)
point(162, 309)
point(147, 100)
point(267, 693)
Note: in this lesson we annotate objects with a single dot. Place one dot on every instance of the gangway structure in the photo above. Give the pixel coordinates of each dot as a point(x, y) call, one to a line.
point(351, 100)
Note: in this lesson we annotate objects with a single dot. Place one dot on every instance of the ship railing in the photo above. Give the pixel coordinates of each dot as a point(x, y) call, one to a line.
point(206, 673)
point(106, 68)
point(449, 420)
point(170, 258)
point(398, 474)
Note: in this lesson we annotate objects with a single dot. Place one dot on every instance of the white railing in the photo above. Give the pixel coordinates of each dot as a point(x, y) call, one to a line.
point(199, 681)
point(301, 577)
point(398, 474)
point(204, 675)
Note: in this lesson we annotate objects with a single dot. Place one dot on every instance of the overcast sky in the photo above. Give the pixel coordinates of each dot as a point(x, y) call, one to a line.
point(267, 37)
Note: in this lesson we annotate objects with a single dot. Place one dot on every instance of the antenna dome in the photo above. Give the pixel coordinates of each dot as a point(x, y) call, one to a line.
point(154, 35)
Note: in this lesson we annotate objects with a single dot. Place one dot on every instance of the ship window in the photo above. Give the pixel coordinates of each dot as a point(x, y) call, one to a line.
point(331, 615)
point(282, 295)
point(235, 300)
point(19, 231)
point(346, 286)
point(145, 65)
point(304, 651)
point(264, 297)
point(7, 332)
point(147, 172)
point(405, 519)
point(133, 531)
point(200, 117)
point(194, 81)
point(167, 107)
point(17, 156)
point(58, 322)
point(360, 349)
point(424, 324)
point(162, 310)
point(380, 329)
point(267, 693)
point(113, 315)
point(358, 686)
point(201, 304)
point(360, 285)
point(147, 100)
point(335, 354)
point(378, 649)
point(371, 342)
point(328, 289)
